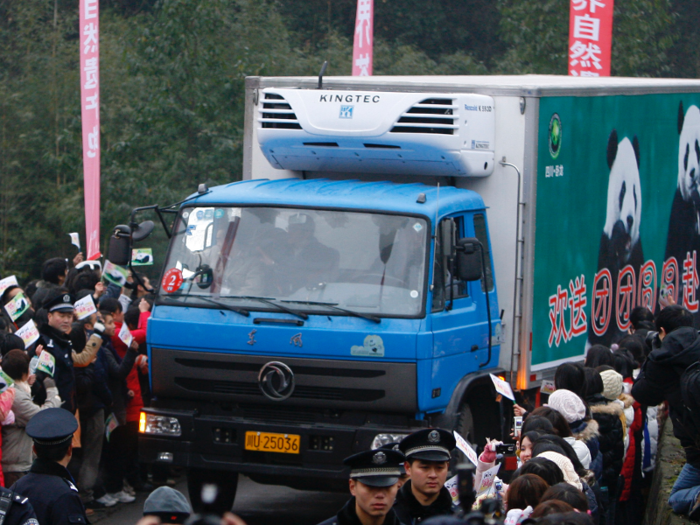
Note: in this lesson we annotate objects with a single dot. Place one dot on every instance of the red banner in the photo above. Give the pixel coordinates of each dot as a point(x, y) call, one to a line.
point(90, 112)
point(590, 37)
point(364, 39)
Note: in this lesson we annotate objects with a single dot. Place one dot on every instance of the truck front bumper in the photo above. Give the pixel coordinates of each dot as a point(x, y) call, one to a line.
point(216, 442)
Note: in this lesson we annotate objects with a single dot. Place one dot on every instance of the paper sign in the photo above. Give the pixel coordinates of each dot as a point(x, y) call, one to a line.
point(28, 333)
point(142, 256)
point(451, 485)
point(115, 274)
point(466, 449)
point(487, 479)
point(33, 364)
point(84, 308)
point(7, 282)
point(125, 335)
point(502, 387)
point(75, 240)
point(5, 381)
point(110, 424)
point(547, 387)
point(17, 306)
point(47, 363)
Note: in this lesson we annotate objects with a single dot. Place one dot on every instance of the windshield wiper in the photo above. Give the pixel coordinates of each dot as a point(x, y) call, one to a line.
point(240, 311)
point(265, 300)
point(334, 306)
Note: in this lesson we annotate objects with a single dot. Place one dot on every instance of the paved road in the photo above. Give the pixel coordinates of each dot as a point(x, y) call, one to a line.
point(256, 504)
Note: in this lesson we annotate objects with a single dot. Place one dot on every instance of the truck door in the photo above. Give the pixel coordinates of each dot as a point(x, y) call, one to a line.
point(459, 320)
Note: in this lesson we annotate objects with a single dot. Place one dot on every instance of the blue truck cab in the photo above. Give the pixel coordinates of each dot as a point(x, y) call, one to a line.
point(301, 321)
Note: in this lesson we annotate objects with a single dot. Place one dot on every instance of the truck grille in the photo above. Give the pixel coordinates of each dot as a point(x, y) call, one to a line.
point(436, 116)
point(319, 383)
point(277, 113)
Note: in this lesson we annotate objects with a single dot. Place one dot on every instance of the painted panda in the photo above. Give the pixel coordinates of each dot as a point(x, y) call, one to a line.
point(620, 244)
point(684, 223)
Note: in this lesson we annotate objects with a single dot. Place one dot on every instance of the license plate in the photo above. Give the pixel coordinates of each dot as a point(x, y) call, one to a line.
point(270, 442)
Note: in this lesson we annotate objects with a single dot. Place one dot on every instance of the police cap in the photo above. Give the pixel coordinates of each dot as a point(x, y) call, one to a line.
point(53, 426)
point(376, 468)
point(430, 444)
point(58, 302)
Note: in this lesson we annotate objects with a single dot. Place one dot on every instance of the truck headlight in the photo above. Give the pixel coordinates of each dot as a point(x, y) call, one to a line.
point(159, 425)
point(382, 439)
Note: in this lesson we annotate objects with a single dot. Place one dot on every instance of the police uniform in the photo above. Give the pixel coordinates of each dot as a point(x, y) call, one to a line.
point(60, 347)
point(429, 444)
point(15, 509)
point(375, 468)
point(49, 485)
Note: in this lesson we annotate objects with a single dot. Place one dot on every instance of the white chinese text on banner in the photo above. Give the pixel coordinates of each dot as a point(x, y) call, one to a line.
point(590, 37)
point(90, 112)
point(364, 39)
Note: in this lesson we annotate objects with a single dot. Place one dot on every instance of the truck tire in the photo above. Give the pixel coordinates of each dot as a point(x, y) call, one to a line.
point(465, 422)
point(226, 483)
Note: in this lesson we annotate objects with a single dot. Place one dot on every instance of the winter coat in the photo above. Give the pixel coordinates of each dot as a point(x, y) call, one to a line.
point(410, 511)
point(348, 516)
point(135, 403)
point(92, 392)
point(16, 444)
point(650, 438)
point(631, 468)
point(6, 400)
point(659, 380)
point(626, 401)
point(117, 371)
point(582, 451)
point(59, 345)
point(612, 438)
point(587, 431)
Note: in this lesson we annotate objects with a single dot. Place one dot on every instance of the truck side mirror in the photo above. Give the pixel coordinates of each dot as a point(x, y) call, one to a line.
point(468, 265)
point(141, 231)
point(447, 236)
point(119, 252)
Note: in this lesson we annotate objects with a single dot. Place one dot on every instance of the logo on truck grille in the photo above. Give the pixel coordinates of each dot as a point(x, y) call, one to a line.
point(276, 381)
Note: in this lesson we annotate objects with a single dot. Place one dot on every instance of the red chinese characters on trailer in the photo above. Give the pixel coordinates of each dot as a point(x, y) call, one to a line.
point(90, 112)
point(590, 37)
point(362, 45)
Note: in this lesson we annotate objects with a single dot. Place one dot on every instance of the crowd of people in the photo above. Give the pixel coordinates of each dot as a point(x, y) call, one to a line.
point(93, 375)
point(584, 457)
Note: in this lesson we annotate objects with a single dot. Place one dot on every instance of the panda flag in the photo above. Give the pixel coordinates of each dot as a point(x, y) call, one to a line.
point(590, 37)
point(364, 36)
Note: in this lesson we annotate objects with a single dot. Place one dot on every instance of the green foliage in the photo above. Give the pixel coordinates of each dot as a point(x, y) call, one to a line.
point(172, 85)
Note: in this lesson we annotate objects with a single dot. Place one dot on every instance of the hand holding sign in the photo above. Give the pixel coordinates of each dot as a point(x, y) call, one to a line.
point(17, 306)
point(47, 364)
point(125, 335)
point(28, 333)
point(84, 307)
point(466, 449)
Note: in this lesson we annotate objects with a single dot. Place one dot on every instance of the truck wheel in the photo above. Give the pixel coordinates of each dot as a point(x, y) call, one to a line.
point(226, 483)
point(465, 423)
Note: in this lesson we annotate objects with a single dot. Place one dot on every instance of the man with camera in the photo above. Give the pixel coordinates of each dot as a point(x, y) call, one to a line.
point(374, 477)
point(428, 454)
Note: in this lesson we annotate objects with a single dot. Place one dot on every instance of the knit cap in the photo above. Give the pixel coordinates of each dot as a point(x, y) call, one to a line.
point(612, 384)
point(168, 504)
point(567, 404)
point(566, 467)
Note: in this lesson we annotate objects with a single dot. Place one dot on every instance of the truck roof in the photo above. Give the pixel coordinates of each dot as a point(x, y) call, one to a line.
point(345, 194)
point(523, 85)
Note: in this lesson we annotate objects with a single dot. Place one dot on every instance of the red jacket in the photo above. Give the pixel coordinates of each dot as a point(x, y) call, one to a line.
point(135, 404)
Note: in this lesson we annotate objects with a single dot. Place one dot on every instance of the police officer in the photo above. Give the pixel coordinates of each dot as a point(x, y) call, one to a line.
point(15, 509)
point(55, 340)
point(374, 477)
point(49, 485)
point(428, 453)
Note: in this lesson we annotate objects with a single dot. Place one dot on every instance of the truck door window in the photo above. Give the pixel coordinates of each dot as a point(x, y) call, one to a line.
point(481, 234)
point(443, 283)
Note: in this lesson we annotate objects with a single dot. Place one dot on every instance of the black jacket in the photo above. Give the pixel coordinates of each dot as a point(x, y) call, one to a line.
point(348, 516)
point(59, 345)
point(611, 439)
point(117, 369)
point(53, 494)
point(410, 511)
point(659, 380)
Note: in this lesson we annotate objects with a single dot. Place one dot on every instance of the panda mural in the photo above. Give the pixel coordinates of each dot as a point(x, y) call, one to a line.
point(620, 244)
point(684, 223)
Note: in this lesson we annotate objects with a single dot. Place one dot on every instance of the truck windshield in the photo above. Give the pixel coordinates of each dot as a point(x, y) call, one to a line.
point(367, 263)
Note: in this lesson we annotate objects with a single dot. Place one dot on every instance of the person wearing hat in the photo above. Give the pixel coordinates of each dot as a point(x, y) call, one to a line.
point(54, 339)
point(168, 505)
point(428, 454)
point(49, 485)
point(374, 477)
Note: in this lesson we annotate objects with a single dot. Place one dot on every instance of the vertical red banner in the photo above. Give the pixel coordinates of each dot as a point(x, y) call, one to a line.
point(590, 37)
point(90, 112)
point(364, 39)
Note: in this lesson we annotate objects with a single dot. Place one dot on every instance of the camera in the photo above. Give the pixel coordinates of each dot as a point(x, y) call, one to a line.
point(507, 449)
